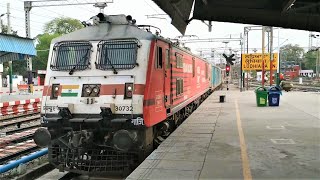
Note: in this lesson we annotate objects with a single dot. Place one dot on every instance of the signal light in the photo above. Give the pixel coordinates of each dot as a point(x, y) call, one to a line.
point(227, 69)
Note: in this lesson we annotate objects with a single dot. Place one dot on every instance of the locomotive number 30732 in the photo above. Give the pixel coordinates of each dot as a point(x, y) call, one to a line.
point(123, 108)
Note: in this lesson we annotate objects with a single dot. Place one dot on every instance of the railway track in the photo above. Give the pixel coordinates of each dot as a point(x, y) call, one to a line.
point(306, 88)
point(15, 150)
point(19, 124)
point(16, 136)
point(12, 116)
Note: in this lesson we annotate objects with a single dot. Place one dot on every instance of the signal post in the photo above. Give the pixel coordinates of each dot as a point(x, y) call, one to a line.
point(229, 62)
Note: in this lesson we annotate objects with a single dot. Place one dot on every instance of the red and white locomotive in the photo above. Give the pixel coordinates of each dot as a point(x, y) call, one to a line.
point(113, 91)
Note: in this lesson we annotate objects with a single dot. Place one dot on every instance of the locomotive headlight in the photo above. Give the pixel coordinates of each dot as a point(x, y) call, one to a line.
point(55, 91)
point(95, 90)
point(88, 90)
point(91, 90)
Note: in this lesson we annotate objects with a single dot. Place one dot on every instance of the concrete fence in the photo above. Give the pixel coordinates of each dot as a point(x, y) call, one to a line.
point(4, 91)
point(20, 107)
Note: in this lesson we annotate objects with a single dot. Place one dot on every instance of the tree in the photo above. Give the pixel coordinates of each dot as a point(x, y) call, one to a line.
point(4, 30)
point(310, 60)
point(292, 53)
point(62, 26)
point(40, 61)
point(53, 29)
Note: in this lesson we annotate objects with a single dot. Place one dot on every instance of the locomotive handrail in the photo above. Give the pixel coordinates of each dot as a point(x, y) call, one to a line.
point(145, 26)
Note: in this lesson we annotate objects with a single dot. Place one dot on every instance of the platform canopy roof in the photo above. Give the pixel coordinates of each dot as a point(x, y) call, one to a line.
point(295, 14)
point(15, 48)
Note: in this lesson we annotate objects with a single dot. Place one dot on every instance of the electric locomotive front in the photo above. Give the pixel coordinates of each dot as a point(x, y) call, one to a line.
point(92, 107)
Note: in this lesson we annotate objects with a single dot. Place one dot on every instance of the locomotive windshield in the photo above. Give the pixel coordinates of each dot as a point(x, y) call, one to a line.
point(70, 56)
point(117, 54)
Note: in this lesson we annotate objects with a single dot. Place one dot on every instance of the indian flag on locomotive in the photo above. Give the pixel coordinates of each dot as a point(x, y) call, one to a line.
point(70, 90)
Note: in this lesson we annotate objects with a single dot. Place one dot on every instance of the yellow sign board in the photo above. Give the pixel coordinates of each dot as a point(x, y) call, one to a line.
point(254, 61)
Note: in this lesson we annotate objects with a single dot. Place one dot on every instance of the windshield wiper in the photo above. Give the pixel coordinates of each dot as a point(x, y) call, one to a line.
point(85, 57)
point(113, 68)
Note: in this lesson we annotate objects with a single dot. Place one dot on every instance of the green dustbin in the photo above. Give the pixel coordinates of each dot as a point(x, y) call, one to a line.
point(261, 96)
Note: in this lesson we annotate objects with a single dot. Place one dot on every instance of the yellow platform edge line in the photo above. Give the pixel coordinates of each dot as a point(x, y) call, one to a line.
point(244, 155)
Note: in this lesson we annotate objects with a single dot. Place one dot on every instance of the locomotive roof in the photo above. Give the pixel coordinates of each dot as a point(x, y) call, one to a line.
point(117, 29)
point(106, 31)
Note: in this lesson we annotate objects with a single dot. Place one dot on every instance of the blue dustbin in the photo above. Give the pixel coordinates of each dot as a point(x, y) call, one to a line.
point(274, 95)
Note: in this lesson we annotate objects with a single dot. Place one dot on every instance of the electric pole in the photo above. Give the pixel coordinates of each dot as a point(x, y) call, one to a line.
point(1, 65)
point(1, 22)
point(317, 64)
point(263, 43)
point(271, 54)
point(9, 32)
point(27, 9)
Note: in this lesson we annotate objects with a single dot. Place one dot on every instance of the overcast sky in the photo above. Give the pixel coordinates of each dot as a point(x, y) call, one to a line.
point(139, 9)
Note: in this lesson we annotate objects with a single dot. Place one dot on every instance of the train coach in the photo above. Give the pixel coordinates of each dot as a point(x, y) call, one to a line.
point(217, 76)
point(113, 91)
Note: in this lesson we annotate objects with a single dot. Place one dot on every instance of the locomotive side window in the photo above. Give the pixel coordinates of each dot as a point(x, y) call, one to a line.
point(117, 54)
point(71, 55)
point(179, 86)
point(159, 58)
point(167, 58)
point(179, 60)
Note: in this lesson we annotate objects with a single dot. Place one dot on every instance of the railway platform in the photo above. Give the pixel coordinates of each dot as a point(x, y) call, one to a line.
point(238, 140)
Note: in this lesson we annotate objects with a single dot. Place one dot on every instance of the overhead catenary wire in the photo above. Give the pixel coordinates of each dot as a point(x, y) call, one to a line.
point(43, 8)
point(15, 17)
point(17, 26)
point(60, 14)
point(85, 8)
point(19, 18)
point(23, 27)
point(20, 10)
point(151, 7)
point(65, 15)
